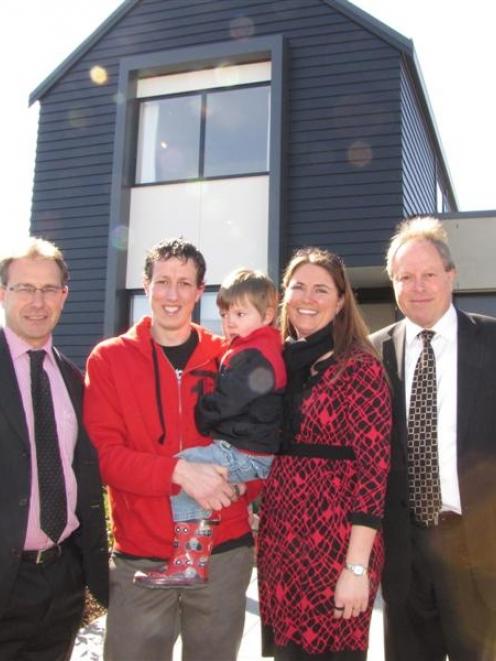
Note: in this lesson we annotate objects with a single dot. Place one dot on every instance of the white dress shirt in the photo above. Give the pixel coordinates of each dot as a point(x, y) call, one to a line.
point(445, 346)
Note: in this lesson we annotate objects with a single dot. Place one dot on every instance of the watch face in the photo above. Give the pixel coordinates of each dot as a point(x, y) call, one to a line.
point(358, 570)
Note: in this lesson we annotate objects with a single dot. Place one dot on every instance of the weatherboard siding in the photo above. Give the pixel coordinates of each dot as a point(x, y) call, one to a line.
point(419, 164)
point(344, 88)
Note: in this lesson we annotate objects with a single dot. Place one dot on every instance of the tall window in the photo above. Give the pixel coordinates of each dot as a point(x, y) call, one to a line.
point(202, 170)
point(215, 133)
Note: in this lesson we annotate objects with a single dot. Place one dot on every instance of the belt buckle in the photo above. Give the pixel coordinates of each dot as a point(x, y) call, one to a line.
point(42, 553)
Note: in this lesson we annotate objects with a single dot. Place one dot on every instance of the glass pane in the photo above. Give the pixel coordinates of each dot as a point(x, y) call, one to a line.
point(139, 307)
point(169, 139)
point(209, 313)
point(237, 131)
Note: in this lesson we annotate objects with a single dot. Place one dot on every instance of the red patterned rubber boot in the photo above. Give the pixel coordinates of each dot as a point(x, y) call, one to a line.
point(188, 566)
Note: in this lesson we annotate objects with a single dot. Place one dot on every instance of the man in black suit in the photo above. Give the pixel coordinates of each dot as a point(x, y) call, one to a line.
point(439, 581)
point(52, 543)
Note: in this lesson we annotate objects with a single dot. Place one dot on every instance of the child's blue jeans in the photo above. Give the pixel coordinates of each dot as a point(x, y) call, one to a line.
point(242, 467)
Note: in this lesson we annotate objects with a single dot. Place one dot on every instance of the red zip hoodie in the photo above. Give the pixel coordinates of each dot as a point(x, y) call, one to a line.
point(139, 412)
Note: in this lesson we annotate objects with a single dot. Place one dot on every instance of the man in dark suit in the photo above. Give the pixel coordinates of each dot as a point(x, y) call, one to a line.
point(52, 524)
point(439, 581)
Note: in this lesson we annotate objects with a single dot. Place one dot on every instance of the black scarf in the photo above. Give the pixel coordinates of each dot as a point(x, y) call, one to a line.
point(299, 356)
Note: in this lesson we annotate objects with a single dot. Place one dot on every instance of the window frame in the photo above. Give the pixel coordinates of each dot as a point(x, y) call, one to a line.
point(203, 94)
point(135, 67)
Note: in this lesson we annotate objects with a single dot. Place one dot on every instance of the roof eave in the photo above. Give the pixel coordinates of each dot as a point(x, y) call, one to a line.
point(372, 24)
point(407, 49)
point(390, 36)
point(81, 51)
point(416, 71)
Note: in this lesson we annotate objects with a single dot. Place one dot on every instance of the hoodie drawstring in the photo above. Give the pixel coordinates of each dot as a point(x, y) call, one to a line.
point(158, 392)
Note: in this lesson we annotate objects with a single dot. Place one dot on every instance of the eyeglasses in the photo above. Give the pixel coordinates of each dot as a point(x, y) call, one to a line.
point(28, 292)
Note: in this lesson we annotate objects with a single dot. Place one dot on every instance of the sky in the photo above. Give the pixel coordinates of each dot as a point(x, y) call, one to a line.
point(453, 39)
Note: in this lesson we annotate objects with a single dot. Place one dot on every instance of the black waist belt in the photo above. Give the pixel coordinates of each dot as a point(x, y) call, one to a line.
point(130, 556)
point(319, 451)
point(45, 556)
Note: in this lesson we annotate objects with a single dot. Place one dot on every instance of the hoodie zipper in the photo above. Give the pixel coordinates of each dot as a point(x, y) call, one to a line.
point(179, 376)
point(179, 379)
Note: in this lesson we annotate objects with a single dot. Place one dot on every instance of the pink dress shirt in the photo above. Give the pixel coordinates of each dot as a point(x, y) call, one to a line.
point(67, 430)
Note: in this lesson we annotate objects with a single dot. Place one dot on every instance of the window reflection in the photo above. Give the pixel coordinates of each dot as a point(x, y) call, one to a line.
point(169, 139)
point(235, 126)
point(236, 139)
point(209, 312)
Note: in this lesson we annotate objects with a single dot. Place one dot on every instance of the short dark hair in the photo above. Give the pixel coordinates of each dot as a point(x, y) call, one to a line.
point(34, 248)
point(254, 286)
point(180, 249)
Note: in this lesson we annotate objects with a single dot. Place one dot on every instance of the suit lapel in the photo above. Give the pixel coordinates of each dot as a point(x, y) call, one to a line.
point(393, 356)
point(470, 364)
point(10, 395)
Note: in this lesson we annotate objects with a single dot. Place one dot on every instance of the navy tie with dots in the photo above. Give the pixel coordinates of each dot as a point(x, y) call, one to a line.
point(53, 499)
point(423, 459)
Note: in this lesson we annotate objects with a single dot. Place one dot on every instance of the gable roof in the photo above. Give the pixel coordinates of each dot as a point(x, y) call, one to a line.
point(372, 24)
point(81, 50)
point(407, 49)
point(361, 17)
point(381, 30)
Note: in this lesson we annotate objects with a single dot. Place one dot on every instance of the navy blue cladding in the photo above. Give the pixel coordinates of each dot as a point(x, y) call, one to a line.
point(345, 93)
point(419, 165)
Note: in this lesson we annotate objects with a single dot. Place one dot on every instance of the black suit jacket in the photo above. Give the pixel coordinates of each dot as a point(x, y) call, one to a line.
point(476, 454)
point(15, 479)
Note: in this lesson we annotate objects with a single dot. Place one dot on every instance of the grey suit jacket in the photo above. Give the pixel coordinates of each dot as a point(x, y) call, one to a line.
point(476, 454)
point(15, 479)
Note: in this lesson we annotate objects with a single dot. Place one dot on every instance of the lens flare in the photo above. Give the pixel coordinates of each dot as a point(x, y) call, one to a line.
point(77, 119)
point(241, 28)
point(98, 75)
point(226, 75)
point(359, 154)
point(119, 237)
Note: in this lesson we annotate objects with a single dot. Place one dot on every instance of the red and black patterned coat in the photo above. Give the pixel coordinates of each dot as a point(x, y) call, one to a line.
point(309, 505)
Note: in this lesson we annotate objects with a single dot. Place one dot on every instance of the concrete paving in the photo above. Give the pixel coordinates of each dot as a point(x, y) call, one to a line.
point(89, 642)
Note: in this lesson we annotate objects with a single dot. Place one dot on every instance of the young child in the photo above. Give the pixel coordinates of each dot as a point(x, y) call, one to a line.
point(242, 414)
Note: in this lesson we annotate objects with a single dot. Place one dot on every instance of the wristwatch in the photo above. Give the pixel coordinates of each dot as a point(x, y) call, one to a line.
point(358, 570)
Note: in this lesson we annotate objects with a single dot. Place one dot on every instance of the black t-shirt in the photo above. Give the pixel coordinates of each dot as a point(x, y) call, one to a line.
point(179, 355)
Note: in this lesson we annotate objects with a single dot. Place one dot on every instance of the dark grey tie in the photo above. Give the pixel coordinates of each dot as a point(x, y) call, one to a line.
point(423, 460)
point(53, 499)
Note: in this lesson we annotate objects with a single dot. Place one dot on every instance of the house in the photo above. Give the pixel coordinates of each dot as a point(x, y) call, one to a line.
point(249, 127)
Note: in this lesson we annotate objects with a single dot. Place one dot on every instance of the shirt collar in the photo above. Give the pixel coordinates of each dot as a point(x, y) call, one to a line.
point(445, 327)
point(18, 346)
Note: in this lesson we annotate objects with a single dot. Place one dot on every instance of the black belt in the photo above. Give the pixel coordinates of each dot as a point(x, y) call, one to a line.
point(45, 556)
point(130, 556)
point(319, 451)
